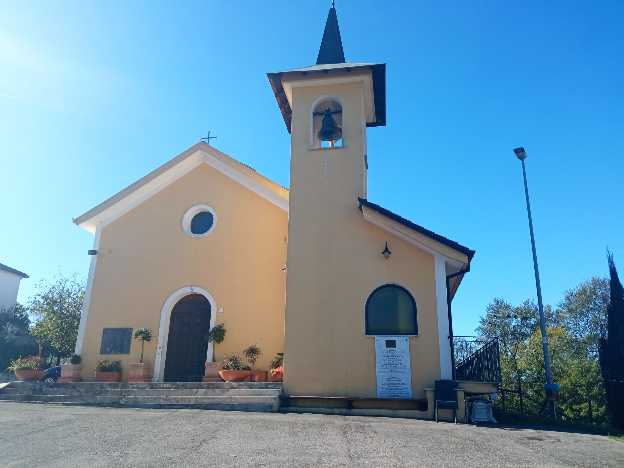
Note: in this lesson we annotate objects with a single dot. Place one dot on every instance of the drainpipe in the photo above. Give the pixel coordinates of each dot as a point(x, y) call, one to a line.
point(450, 315)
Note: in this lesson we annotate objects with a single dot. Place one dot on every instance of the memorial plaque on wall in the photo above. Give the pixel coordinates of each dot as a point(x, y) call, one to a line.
point(116, 341)
point(394, 370)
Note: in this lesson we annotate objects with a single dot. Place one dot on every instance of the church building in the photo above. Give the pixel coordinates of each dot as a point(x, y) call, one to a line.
point(344, 287)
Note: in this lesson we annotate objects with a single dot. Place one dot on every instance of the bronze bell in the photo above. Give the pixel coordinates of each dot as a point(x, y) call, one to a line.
point(329, 130)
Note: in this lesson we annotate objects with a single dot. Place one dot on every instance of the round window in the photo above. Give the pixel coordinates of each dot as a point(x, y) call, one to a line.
point(199, 221)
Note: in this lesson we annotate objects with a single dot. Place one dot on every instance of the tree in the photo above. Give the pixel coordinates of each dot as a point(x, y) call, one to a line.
point(513, 326)
point(216, 335)
point(583, 313)
point(612, 348)
point(15, 339)
point(56, 307)
point(143, 334)
point(576, 372)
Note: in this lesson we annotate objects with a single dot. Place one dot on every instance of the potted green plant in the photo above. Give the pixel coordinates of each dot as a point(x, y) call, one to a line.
point(27, 368)
point(215, 335)
point(252, 353)
point(108, 371)
point(140, 371)
point(70, 371)
point(277, 368)
point(234, 370)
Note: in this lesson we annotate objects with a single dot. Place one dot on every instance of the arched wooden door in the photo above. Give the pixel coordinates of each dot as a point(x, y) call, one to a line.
point(187, 345)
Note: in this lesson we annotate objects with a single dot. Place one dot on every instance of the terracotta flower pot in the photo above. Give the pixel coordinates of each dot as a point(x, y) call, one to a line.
point(101, 376)
point(277, 374)
point(258, 375)
point(211, 373)
point(70, 373)
point(28, 374)
point(139, 372)
point(234, 375)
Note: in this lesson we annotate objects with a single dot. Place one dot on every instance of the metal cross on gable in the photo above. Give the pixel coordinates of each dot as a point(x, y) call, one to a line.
point(208, 137)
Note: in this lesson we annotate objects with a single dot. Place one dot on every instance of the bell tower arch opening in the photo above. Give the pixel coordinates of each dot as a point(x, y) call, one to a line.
point(327, 123)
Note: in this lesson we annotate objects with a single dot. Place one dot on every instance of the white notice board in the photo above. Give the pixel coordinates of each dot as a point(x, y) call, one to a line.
point(394, 370)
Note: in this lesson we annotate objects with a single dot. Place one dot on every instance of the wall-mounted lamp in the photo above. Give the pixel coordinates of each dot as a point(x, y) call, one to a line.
point(386, 252)
point(92, 252)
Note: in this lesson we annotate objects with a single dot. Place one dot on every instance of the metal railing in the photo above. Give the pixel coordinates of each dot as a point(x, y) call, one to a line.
point(476, 359)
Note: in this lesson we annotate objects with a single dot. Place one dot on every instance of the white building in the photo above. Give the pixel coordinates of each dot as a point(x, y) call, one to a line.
point(9, 285)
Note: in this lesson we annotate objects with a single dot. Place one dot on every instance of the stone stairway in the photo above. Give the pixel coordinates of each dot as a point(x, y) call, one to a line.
point(236, 396)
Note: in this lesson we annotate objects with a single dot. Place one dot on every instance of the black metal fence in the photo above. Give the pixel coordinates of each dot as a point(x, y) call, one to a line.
point(476, 359)
point(519, 402)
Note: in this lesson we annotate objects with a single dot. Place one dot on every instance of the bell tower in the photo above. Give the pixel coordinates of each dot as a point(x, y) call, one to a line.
point(327, 108)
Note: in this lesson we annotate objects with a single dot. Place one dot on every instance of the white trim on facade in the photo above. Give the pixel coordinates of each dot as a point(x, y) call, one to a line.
point(165, 318)
point(446, 363)
point(132, 200)
point(190, 214)
point(118, 208)
point(86, 303)
point(247, 182)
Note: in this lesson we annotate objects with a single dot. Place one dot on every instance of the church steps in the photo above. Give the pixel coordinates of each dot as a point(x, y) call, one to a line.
point(99, 386)
point(244, 396)
point(152, 392)
point(204, 399)
point(103, 386)
point(123, 399)
point(205, 392)
point(214, 405)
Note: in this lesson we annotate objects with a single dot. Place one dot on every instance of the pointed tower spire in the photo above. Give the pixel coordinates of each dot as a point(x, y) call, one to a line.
point(331, 45)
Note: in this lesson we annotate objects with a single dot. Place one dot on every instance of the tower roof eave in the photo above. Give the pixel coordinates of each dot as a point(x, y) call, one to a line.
point(378, 71)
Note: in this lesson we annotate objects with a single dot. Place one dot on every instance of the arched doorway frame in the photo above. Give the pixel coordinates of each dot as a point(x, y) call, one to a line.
point(165, 318)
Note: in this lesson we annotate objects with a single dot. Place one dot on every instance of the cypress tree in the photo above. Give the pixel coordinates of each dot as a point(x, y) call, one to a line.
point(612, 348)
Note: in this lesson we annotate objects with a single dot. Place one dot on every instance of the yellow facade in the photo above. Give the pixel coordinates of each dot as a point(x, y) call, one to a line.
point(144, 256)
point(290, 271)
point(335, 261)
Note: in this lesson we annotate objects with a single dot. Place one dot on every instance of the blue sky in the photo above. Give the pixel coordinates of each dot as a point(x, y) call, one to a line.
point(93, 95)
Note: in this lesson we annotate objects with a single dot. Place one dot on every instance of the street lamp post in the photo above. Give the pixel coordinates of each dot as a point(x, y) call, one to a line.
point(551, 388)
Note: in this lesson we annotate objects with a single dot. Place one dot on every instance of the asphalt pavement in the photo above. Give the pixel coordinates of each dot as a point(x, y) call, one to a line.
point(52, 435)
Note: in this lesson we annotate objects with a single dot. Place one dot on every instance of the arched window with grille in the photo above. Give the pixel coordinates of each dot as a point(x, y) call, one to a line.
point(391, 310)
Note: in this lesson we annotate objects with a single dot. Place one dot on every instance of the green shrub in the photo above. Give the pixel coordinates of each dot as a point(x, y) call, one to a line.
point(252, 353)
point(216, 334)
point(234, 362)
point(108, 366)
point(26, 362)
point(143, 334)
point(75, 359)
point(278, 361)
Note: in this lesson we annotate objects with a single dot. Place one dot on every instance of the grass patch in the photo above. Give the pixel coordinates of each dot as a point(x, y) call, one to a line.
point(617, 436)
point(543, 423)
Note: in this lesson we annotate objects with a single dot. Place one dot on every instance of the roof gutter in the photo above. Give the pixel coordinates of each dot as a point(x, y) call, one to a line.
point(449, 301)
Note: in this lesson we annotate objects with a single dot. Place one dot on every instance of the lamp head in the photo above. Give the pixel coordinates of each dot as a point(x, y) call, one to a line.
point(386, 252)
point(520, 153)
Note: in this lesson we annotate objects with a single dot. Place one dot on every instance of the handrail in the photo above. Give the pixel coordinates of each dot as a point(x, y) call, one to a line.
point(483, 362)
point(487, 343)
